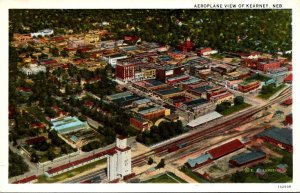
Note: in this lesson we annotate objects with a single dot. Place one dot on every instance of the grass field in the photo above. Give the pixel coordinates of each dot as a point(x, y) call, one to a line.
point(268, 95)
point(193, 175)
point(166, 178)
point(69, 174)
point(235, 108)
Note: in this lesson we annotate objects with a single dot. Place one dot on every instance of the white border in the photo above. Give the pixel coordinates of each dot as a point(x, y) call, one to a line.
point(162, 4)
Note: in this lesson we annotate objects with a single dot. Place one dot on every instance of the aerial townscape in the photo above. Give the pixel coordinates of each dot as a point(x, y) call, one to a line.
point(150, 96)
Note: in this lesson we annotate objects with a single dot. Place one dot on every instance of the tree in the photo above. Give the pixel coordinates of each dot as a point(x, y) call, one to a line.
point(50, 154)
point(34, 157)
point(238, 177)
point(55, 51)
point(64, 53)
point(161, 164)
point(150, 161)
point(238, 100)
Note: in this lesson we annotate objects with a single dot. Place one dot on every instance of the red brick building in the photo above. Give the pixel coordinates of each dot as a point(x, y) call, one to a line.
point(268, 65)
point(246, 87)
point(187, 46)
point(225, 149)
point(125, 72)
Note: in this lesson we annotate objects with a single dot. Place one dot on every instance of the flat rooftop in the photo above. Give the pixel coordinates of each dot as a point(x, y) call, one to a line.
point(169, 91)
point(205, 118)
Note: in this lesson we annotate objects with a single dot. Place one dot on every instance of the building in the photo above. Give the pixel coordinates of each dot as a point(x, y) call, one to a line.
point(67, 124)
point(223, 97)
point(91, 38)
point(248, 86)
point(289, 79)
point(125, 72)
point(199, 161)
point(289, 119)
point(268, 65)
point(112, 59)
point(119, 160)
point(22, 37)
point(33, 69)
point(225, 149)
point(187, 46)
point(280, 137)
point(153, 112)
point(247, 158)
point(45, 32)
point(140, 123)
point(149, 73)
point(165, 72)
point(200, 106)
point(204, 119)
point(169, 92)
point(206, 52)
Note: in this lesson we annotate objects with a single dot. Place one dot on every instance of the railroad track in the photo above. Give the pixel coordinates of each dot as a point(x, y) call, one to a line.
point(198, 136)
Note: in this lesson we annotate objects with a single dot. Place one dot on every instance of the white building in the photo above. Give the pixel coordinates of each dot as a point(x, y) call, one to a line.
point(119, 160)
point(43, 33)
point(33, 69)
point(112, 59)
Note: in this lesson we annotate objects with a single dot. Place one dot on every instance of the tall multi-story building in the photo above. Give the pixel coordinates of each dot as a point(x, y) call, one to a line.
point(125, 71)
point(119, 160)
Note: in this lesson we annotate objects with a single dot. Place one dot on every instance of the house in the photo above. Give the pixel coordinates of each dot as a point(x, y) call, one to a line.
point(248, 86)
point(33, 69)
point(225, 149)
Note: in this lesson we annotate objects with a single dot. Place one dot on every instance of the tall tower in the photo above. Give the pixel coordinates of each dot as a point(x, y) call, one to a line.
point(119, 160)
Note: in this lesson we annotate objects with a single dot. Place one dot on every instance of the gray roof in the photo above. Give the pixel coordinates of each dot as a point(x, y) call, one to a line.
point(244, 158)
point(205, 118)
point(282, 135)
point(169, 91)
point(196, 102)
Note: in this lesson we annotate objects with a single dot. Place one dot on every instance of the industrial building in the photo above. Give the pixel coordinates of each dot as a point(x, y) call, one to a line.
point(225, 149)
point(280, 137)
point(119, 160)
point(204, 119)
point(247, 158)
point(67, 124)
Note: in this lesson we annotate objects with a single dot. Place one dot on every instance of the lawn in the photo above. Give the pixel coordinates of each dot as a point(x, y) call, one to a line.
point(235, 108)
point(268, 95)
point(69, 174)
point(165, 178)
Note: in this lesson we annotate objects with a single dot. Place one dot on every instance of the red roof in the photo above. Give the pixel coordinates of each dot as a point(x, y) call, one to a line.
point(26, 180)
point(77, 162)
point(35, 140)
point(89, 103)
point(226, 149)
point(24, 89)
point(288, 101)
point(289, 78)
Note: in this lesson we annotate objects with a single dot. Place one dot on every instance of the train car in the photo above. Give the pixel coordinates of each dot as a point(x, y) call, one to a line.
point(176, 147)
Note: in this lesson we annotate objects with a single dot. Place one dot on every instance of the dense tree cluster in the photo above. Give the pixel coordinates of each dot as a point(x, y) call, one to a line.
point(268, 89)
point(91, 146)
point(17, 166)
point(223, 106)
point(165, 130)
point(230, 30)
